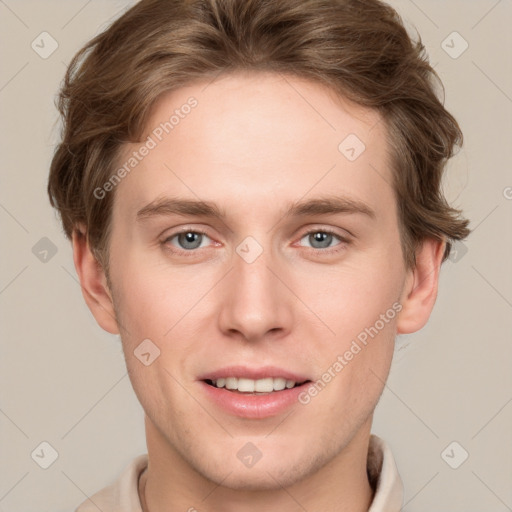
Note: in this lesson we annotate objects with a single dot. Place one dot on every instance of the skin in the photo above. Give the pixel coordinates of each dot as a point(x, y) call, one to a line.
point(254, 144)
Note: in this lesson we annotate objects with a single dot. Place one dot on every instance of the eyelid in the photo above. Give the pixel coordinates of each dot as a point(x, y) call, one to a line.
point(343, 234)
point(344, 239)
point(172, 232)
point(165, 240)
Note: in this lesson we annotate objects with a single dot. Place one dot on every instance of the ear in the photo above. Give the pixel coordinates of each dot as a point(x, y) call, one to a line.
point(93, 282)
point(420, 289)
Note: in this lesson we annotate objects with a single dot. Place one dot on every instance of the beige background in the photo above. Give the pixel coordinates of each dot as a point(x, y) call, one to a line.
point(63, 380)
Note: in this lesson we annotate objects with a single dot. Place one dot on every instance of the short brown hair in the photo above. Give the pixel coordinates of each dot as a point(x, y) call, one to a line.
point(358, 48)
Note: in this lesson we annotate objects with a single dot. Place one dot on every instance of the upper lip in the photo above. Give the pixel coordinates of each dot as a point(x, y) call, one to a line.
point(253, 373)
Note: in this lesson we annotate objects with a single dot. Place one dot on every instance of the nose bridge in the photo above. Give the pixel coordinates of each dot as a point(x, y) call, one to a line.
point(255, 301)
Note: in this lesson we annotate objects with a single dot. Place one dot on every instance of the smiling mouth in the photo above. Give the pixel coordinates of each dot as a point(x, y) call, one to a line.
point(256, 387)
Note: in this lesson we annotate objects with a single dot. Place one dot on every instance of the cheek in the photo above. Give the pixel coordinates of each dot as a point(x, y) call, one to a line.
point(164, 306)
point(353, 298)
point(151, 299)
point(359, 304)
point(354, 370)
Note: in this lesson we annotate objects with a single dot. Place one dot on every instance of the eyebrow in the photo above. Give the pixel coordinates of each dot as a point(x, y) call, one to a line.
point(327, 205)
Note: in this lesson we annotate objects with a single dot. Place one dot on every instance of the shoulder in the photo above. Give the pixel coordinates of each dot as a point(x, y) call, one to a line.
point(122, 494)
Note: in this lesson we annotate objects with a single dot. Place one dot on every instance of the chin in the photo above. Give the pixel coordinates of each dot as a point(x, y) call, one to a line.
point(262, 479)
point(272, 472)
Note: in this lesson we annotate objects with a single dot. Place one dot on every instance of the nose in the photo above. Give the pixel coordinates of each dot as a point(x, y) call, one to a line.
point(256, 304)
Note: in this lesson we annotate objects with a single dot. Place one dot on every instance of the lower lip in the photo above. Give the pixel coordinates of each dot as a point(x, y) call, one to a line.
point(247, 405)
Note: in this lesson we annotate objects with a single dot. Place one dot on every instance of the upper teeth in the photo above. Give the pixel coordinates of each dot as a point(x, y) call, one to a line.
point(250, 386)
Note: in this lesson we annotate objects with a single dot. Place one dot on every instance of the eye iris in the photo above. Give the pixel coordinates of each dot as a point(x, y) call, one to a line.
point(190, 240)
point(324, 239)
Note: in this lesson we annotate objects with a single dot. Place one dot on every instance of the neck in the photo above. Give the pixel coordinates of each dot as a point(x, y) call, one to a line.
point(169, 483)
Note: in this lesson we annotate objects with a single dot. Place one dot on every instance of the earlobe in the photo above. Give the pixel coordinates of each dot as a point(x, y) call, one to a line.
point(93, 282)
point(420, 289)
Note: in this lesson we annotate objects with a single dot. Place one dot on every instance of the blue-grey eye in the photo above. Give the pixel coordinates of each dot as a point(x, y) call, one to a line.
point(320, 239)
point(189, 240)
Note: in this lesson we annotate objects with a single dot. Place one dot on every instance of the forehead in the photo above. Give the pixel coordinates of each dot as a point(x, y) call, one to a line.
point(253, 137)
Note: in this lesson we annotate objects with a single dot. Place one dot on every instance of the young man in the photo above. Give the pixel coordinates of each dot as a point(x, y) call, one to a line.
point(252, 191)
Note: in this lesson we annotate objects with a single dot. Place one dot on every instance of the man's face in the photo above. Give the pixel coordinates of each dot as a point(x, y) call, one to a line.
point(262, 293)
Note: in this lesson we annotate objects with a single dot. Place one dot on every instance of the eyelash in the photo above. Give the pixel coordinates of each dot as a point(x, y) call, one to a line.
point(329, 250)
point(193, 252)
